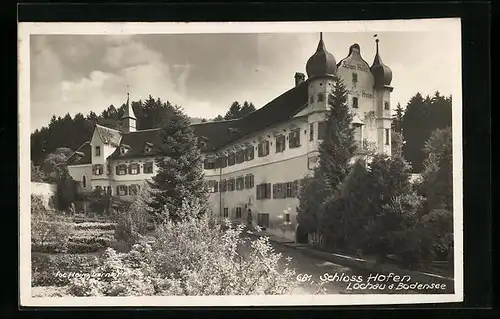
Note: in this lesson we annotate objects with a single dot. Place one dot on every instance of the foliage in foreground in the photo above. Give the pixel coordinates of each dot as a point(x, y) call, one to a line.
point(47, 227)
point(191, 255)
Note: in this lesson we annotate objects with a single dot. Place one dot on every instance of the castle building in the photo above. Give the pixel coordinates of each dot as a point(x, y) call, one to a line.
point(254, 164)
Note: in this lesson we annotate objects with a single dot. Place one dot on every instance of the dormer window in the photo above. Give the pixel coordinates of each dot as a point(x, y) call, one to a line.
point(148, 147)
point(97, 151)
point(124, 149)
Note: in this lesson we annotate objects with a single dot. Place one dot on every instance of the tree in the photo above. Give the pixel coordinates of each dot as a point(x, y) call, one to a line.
point(66, 190)
point(397, 119)
point(437, 185)
point(192, 257)
point(234, 111)
point(349, 212)
point(36, 174)
point(180, 168)
point(338, 145)
point(218, 118)
point(423, 116)
point(56, 159)
point(310, 215)
point(247, 108)
point(396, 143)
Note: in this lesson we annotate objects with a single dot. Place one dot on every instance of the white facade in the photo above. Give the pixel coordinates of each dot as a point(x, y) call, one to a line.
point(371, 109)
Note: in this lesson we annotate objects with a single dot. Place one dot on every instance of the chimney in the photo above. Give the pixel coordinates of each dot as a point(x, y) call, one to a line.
point(299, 78)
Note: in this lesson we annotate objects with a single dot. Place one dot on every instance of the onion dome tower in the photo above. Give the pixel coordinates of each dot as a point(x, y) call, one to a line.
point(322, 62)
point(381, 72)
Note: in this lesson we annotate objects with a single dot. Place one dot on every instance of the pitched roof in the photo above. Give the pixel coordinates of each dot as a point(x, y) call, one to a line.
point(81, 156)
point(279, 110)
point(218, 134)
point(136, 142)
point(109, 135)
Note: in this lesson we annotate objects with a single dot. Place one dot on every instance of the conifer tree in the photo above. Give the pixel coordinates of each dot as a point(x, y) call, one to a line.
point(338, 145)
point(180, 171)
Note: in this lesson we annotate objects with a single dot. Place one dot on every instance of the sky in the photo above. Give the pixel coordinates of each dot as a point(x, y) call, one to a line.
point(205, 73)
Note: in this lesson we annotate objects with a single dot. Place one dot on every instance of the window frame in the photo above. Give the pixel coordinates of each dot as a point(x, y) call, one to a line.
point(147, 165)
point(231, 159)
point(354, 77)
point(294, 139)
point(311, 132)
point(263, 148)
point(97, 151)
point(355, 102)
point(249, 153)
point(280, 141)
point(118, 169)
point(387, 136)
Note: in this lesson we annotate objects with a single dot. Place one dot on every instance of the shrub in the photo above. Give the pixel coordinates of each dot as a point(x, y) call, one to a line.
point(44, 268)
point(48, 228)
point(191, 256)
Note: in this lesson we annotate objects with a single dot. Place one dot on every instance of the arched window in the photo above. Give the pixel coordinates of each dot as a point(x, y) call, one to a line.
point(84, 181)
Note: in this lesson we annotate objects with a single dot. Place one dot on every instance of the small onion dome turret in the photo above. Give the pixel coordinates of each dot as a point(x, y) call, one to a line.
point(381, 72)
point(321, 62)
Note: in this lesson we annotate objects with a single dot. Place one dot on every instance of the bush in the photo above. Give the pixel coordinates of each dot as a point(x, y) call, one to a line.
point(44, 268)
point(48, 228)
point(191, 256)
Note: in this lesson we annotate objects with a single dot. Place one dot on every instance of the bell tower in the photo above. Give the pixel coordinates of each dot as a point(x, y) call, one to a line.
point(128, 119)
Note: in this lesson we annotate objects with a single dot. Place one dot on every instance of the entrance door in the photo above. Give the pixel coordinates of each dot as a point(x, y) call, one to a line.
point(301, 235)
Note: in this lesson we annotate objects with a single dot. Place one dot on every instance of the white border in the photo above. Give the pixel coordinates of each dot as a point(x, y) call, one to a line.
point(26, 29)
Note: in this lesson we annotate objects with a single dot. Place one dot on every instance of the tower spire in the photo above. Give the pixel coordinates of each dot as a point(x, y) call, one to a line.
point(321, 36)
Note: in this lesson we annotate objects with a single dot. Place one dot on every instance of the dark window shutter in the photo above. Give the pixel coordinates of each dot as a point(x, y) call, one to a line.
point(126, 190)
point(275, 194)
point(117, 190)
point(258, 191)
point(268, 190)
point(130, 190)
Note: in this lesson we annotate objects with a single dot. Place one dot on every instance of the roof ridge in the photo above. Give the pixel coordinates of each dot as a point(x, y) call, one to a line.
point(83, 144)
point(108, 128)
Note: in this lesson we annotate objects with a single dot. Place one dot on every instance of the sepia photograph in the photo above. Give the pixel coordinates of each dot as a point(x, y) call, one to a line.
point(216, 164)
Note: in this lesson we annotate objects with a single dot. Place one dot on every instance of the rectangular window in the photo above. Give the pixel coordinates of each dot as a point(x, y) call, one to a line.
point(355, 102)
point(238, 212)
point(222, 161)
point(321, 130)
point(240, 183)
point(387, 136)
point(289, 190)
point(354, 78)
point(97, 151)
point(278, 190)
point(287, 218)
point(296, 188)
point(263, 148)
point(321, 97)
point(240, 157)
point(294, 139)
point(226, 212)
point(223, 186)
point(213, 186)
point(231, 159)
point(147, 168)
point(311, 131)
point(122, 190)
point(133, 169)
point(209, 163)
point(249, 153)
point(280, 143)
point(121, 169)
point(98, 169)
point(263, 191)
point(386, 105)
point(249, 181)
point(230, 184)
